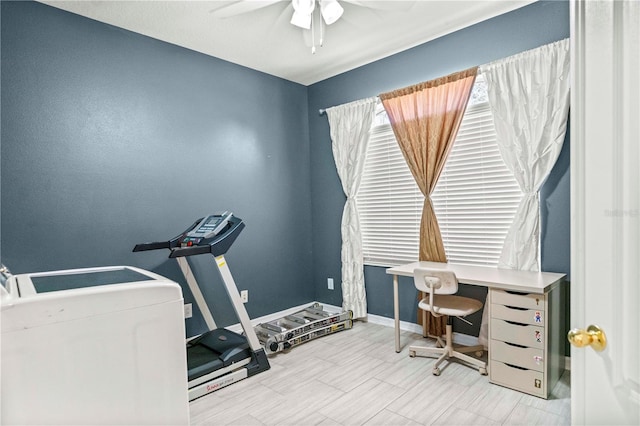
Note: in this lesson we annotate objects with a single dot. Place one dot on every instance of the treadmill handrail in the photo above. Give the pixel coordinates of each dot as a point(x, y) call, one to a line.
point(173, 242)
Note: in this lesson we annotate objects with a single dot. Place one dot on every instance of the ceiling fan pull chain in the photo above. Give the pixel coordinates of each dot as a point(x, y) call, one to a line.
point(313, 35)
point(321, 31)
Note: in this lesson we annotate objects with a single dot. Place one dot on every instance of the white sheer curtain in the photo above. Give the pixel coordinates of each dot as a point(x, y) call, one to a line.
point(529, 99)
point(349, 125)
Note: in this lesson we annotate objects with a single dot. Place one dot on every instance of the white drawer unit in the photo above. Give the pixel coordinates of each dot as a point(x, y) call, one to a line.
point(526, 345)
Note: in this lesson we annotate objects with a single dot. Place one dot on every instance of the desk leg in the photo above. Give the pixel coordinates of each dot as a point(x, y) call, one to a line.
point(396, 311)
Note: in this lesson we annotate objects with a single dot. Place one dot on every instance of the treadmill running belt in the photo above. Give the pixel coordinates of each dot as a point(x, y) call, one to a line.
point(214, 350)
point(201, 361)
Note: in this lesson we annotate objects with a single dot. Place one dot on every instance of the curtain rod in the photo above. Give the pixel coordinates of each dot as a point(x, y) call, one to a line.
point(321, 111)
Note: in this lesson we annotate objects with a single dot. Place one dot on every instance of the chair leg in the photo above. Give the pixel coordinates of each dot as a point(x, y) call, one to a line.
point(416, 350)
point(425, 332)
point(478, 349)
point(448, 351)
point(482, 366)
point(459, 352)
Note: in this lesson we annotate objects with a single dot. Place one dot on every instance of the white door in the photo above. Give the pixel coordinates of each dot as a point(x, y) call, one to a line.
point(605, 209)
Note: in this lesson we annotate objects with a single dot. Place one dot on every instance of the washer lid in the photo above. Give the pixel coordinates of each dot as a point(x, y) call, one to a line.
point(82, 279)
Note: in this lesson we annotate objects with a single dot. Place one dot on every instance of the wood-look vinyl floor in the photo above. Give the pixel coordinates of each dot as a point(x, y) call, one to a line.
point(355, 377)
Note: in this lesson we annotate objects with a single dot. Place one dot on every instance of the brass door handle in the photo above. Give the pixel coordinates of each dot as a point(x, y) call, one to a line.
point(593, 336)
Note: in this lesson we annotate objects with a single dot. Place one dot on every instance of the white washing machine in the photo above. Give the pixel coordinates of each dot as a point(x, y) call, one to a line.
point(93, 346)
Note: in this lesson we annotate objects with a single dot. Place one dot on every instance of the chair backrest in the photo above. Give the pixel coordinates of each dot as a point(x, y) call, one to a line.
point(443, 282)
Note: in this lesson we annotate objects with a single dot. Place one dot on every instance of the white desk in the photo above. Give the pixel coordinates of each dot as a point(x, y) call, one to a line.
point(527, 285)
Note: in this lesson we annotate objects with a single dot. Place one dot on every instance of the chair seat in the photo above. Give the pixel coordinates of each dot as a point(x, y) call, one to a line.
point(455, 306)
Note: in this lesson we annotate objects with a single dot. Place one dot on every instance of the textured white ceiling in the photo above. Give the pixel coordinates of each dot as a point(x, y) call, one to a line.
point(264, 40)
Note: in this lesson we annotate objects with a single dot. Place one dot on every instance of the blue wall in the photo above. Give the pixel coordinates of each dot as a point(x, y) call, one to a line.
point(526, 28)
point(110, 138)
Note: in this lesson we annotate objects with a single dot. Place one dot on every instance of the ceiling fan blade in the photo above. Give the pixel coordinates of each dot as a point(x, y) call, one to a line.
point(241, 6)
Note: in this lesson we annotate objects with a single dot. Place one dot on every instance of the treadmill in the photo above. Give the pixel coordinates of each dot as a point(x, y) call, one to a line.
point(218, 357)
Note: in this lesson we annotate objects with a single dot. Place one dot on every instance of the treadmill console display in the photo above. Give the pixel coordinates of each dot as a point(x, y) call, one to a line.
point(208, 227)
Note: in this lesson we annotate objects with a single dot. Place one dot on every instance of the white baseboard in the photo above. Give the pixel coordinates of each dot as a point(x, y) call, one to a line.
point(462, 339)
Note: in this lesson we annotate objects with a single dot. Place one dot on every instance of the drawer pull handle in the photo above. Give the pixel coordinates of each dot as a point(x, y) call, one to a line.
point(516, 345)
point(516, 292)
point(517, 308)
point(516, 323)
point(515, 366)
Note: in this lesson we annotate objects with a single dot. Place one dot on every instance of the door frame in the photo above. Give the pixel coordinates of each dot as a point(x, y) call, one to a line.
point(605, 212)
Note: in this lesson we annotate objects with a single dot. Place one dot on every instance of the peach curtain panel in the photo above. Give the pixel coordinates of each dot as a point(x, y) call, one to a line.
point(425, 119)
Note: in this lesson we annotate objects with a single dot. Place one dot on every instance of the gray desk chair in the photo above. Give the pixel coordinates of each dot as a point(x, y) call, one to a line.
point(441, 287)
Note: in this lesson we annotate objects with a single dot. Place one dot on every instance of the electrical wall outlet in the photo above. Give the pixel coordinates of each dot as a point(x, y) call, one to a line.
point(244, 295)
point(330, 283)
point(188, 310)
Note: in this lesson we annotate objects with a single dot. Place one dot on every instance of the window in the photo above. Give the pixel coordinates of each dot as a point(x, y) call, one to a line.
point(475, 199)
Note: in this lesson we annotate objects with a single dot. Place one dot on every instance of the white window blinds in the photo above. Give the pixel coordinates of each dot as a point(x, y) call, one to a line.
point(476, 196)
point(475, 199)
point(389, 203)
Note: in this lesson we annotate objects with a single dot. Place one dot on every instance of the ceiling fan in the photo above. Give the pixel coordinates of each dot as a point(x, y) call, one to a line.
point(305, 14)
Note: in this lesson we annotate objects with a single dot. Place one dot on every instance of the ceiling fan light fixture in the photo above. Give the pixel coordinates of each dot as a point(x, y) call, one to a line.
point(304, 6)
point(301, 20)
point(302, 10)
point(331, 11)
